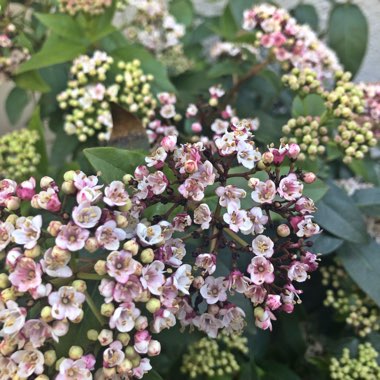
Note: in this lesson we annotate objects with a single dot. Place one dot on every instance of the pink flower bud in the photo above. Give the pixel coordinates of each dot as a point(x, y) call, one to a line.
point(26, 189)
point(294, 151)
point(309, 177)
point(142, 339)
point(267, 158)
point(196, 127)
point(169, 143)
point(141, 172)
point(46, 182)
point(54, 227)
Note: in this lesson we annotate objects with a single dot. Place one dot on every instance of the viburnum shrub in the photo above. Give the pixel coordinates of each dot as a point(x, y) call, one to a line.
point(176, 241)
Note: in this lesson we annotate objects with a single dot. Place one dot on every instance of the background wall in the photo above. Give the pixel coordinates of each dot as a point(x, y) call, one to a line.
point(369, 71)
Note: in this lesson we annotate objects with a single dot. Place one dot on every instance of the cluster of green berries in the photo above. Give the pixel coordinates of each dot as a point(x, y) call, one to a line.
point(175, 60)
point(364, 367)
point(94, 85)
point(355, 139)
point(18, 155)
point(346, 99)
point(91, 7)
point(309, 133)
point(214, 357)
point(351, 304)
point(303, 82)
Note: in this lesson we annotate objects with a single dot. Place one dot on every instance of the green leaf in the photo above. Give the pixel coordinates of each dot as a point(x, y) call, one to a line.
point(63, 25)
point(148, 63)
point(227, 24)
point(114, 163)
point(55, 50)
point(316, 191)
point(238, 7)
point(183, 11)
point(348, 35)
point(276, 371)
point(338, 214)
point(325, 243)
point(367, 169)
point(152, 375)
point(36, 124)
point(306, 14)
point(368, 200)
point(31, 80)
point(226, 67)
point(362, 263)
point(311, 105)
point(16, 101)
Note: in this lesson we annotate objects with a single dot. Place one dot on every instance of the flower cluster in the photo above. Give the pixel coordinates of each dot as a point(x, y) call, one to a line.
point(154, 27)
point(279, 37)
point(372, 104)
point(48, 257)
point(213, 358)
point(92, 7)
point(364, 366)
point(204, 121)
point(341, 122)
point(18, 154)
point(12, 53)
point(155, 242)
point(350, 303)
point(265, 268)
point(92, 88)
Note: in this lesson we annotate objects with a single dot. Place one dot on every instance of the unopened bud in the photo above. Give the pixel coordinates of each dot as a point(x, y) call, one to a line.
point(153, 305)
point(154, 348)
point(131, 246)
point(283, 230)
point(147, 256)
point(54, 227)
point(92, 335)
point(100, 267)
point(68, 187)
point(309, 177)
point(50, 357)
point(80, 285)
point(107, 309)
point(33, 253)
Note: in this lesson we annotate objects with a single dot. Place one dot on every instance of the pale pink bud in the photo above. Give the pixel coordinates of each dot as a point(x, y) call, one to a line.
point(46, 182)
point(309, 177)
point(294, 151)
point(141, 323)
point(283, 230)
point(12, 203)
point(169, 143)
point(196, 127)
point(54, 227)
point(267, 157)
point(191, 166)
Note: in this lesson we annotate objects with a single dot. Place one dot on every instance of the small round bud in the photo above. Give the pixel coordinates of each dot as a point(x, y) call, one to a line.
point(153, 305)
point(267, 158)
point(100, 267)
point(54, 228)
point(154, 348)
point(68, 187)
point(124, 338)
point(69, 175)
point(147, 256)
point(34, 252)
point(309, 177)
point(80, 285)
point(127, 179)
point(131, 246)
point(107, 309)
point(46, 314)
point(50, 357)
point(92, 335)
point(283, 230)
point(4, 281)
point(91, 245)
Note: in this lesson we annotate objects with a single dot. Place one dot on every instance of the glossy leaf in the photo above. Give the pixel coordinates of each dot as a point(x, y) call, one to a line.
point(31, 80)
point(325, 243)
point(183, 11)
point(55, 50)
point(16, 101)
point(306, 14)
point(63, 25)
point(152, 375)
point(113, 163)
point(36, 124)
point(368, 200)
point(362, 262)
point(238, 7)
point(348, 35)
point(338, 214)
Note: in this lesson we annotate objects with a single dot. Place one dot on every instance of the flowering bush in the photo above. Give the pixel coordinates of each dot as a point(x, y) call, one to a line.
point(247, 159)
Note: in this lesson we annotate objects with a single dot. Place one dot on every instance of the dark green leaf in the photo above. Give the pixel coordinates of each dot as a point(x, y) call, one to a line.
point(311, 105)
point(31, 80)
point(362, 262)
point(316, 191)
point(348, 35)
point(16, 101)
point(152, 375)
point(63, 25)
point(276, 371)
point(238, 7)
point(227, 24)
point(55, 50)
point(182, 10)
point(367, 169)
point(226, 67)
point(114, 163)
point(338, 214)
point(36, 124)
point(306, 14)
point(368, 200)
point(325, 243)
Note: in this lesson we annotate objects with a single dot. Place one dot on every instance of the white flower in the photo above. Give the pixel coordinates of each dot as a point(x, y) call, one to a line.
point(28, 231)
point(262, 246)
